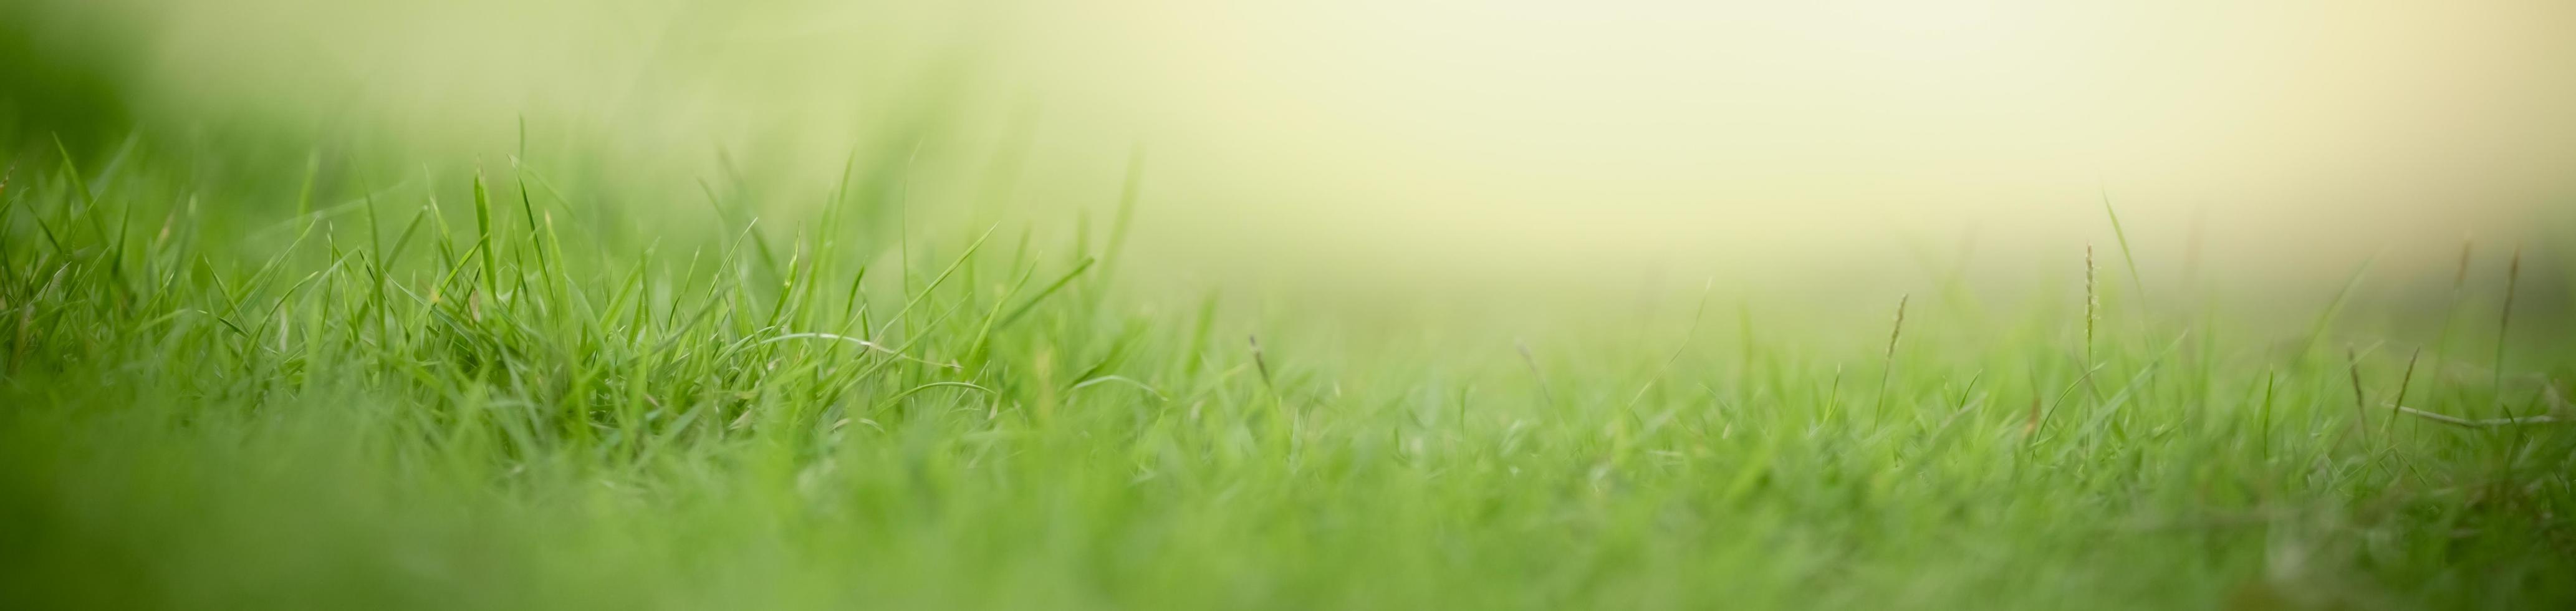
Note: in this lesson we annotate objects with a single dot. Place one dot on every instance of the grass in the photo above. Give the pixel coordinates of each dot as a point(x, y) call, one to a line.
point(265, 393)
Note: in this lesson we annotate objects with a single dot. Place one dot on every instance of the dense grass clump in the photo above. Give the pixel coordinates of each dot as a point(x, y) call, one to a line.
point(482, 388)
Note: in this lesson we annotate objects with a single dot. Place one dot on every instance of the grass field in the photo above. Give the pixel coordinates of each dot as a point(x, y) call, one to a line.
point(495, 388)
point(293, 316)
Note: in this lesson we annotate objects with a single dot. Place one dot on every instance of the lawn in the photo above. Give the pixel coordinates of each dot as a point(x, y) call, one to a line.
point(514, 384)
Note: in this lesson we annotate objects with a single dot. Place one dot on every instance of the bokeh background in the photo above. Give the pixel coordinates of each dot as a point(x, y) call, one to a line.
point(1432, 144)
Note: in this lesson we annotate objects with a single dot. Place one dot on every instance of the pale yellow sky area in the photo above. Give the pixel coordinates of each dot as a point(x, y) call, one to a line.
point(1508, 136)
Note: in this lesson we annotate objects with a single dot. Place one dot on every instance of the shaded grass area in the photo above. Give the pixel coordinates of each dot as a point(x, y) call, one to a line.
point(461, 391)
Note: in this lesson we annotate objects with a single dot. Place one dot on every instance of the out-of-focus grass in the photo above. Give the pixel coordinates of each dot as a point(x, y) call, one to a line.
point(254, 363)
point(59, 79)
point(489, 387)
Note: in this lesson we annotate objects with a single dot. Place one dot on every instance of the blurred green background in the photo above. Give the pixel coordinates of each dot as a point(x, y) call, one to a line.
point(1455, 146)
